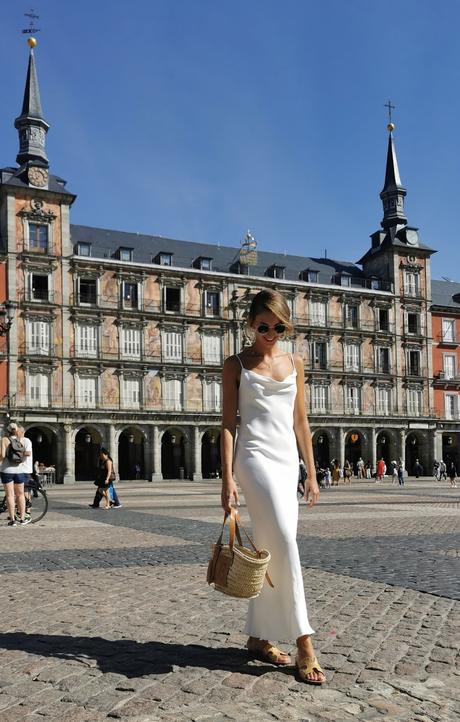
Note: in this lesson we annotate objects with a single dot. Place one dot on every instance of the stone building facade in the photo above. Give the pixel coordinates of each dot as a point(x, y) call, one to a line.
point(119, 338)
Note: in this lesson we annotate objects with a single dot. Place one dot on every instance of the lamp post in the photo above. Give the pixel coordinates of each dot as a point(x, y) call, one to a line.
point(7, 314)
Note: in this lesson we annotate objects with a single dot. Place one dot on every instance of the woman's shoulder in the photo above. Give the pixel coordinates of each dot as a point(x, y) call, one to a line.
point(298, 361)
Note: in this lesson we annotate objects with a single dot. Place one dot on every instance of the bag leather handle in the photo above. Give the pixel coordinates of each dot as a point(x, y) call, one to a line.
point(235, 523)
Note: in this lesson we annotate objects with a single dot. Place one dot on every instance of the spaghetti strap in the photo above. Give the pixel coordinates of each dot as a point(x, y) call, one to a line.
point(241, 363)
point(292, 361)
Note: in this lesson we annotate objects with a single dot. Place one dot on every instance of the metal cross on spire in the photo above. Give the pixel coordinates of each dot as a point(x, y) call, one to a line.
point(390, 108)
point(31, 30)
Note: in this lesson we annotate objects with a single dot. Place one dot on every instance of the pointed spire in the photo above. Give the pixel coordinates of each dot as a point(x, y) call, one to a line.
point(31, 105)
point(393, 192)
point(31, 125)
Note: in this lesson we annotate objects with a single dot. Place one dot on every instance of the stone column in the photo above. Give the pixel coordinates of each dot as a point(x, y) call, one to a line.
point(156, 452)
point(113, 450)
point(69, 456)
point(373, 450)
point(341, 446)
point(197, 475)
point(402, 447)
point(436, 446)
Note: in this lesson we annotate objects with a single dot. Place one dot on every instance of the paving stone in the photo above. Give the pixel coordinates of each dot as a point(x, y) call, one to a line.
point(168, 648)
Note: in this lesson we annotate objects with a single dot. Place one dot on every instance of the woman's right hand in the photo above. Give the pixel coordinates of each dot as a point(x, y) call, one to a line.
point(229, 495)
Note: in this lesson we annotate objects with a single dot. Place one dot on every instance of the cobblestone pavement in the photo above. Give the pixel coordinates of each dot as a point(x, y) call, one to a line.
point(106, 614)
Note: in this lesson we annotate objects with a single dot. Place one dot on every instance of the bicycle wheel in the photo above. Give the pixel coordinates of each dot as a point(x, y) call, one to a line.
point(36, 504)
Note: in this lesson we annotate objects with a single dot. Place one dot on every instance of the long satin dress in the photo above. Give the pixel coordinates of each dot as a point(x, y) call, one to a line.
point(266, 466)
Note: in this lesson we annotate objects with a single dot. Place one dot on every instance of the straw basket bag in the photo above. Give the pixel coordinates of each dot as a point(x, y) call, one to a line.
point(234, 569)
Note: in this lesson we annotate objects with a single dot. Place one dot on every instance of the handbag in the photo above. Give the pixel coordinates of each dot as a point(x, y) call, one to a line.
point(234, 569)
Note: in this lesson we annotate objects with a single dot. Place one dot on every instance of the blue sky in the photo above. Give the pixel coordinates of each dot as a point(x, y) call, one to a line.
point(199, 119)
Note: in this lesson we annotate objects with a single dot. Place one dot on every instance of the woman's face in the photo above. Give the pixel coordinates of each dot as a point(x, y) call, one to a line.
point(103, 457)
point(268, 329)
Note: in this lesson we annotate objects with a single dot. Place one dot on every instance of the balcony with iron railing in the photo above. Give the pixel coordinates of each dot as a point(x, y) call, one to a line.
point(447, 339)
point(40, 295)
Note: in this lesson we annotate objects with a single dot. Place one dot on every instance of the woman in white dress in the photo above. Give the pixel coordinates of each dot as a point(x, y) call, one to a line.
point(266, 386)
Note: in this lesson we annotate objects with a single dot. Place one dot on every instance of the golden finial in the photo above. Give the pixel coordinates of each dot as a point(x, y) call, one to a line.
point(31, 42)
point(390, 127)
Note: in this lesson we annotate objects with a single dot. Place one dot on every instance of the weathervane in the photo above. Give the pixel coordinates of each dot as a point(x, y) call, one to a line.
point(32, 17)
point(390, 107)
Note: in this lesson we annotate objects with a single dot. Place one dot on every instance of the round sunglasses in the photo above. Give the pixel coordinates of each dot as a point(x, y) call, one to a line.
point(278, 328)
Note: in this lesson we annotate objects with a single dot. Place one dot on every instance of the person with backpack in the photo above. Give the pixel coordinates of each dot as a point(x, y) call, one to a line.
point(13, 453)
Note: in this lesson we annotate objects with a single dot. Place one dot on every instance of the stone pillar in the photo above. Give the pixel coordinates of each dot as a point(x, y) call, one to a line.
point(341, 446)
point(197, 475)
point(156, 452)
point(69, 456)
point(402, 447)
point(436, 447)
point(373, 450)
point(113, 449)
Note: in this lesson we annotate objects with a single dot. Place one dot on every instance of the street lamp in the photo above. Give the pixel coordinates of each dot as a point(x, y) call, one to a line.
point(7, 317)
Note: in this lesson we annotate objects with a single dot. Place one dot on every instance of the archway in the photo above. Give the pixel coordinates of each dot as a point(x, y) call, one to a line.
point(44, 447)
point(353, 448)
point(210, 454)
point(384, 450)
point(321, 449)
point(412, 452)
point(88, 442)
point(450, 449)
point(173, 455)
point(131, 454)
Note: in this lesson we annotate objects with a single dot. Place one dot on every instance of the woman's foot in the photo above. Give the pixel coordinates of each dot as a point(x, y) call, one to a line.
point(267, 652)
point(307, 664)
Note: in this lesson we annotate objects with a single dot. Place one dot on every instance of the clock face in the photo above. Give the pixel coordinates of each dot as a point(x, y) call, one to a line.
point(411, 237)
point(37, 176)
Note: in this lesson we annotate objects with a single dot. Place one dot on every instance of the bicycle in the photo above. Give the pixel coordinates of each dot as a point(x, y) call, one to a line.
point(36, 502)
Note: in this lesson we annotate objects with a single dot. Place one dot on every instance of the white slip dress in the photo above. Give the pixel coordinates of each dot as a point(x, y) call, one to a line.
point(266, 466)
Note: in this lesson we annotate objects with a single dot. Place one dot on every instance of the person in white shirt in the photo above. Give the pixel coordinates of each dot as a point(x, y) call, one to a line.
point(13, 472)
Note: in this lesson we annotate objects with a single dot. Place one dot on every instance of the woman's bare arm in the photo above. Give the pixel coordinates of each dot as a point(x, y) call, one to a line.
point(303, 434)
point(230, 374)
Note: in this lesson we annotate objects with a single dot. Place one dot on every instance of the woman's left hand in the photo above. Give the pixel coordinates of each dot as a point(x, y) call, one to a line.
point(311, 493)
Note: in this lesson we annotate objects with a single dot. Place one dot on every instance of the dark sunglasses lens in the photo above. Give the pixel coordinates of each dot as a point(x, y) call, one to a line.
point(280, 328)
point(263, 328)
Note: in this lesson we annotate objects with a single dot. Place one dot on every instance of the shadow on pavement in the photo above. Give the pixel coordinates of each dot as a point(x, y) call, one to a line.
point(130, 658)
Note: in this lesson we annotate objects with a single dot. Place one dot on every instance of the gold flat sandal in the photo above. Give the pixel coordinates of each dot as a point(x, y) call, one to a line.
point(268, 653)
point(306, 667)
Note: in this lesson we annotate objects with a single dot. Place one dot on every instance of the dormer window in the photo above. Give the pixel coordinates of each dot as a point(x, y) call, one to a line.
point(240, 268)
point(276, 271)
point(203, 262)
point(163, 259)
point(344, 279)
point(125, 254)
point(309, 276)
point(84, 249)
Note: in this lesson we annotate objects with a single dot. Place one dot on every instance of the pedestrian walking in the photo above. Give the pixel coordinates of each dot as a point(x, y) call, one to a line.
point(381, 468)
point(368, 470)
point(418, 469)
point(336, 473)
point(360, 468)
point(267, 386)
point(14, 450)
point(327, 477)
point(395, 472)
point(401, 474)
point(105, 478)
point(347, 472)
point(452, 474)
point(442, 470)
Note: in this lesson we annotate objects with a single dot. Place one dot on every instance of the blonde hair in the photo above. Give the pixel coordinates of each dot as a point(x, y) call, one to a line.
point(275, 302)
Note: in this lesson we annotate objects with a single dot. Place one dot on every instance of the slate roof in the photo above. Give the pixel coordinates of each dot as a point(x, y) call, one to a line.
point(445, 294)
point(8, 176)
point(105, 242)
